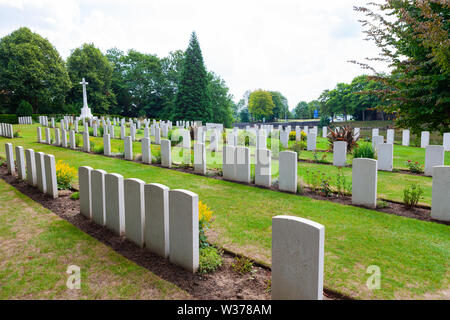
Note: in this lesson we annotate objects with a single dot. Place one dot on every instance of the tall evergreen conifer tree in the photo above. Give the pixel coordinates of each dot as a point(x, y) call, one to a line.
point(192, 101)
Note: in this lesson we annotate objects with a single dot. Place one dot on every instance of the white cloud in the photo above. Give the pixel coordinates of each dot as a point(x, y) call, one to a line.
point(296, 47)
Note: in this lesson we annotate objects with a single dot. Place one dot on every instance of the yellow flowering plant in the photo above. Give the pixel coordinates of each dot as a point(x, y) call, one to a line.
point(204, 221)
point(64, 175)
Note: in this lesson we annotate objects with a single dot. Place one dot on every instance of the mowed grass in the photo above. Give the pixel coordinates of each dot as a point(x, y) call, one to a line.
point(413, 255)
point(37, 247)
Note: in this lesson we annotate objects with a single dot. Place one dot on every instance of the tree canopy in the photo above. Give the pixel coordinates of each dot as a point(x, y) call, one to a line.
point(31, 69)
point(414, 41)
point(192, 101)
point(89, 62)
point(260, 104)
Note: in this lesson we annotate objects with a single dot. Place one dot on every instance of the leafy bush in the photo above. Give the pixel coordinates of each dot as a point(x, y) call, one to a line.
point(210, 259)
point(365, 150)
point(298, 146)
point(17, 134)
point(75, 196)
point(412, 195)
point(341, 183)
point(156, 156)
point(414, 167)
point(242, 265)
point(322, 159)
point(244, 138)
point(64, 175)
point(292, 135)
point(204, 222)
point(343, 134)
point(9, 118)
point(24, 109)
point(324, 121)
point(325, 186)
point(77, 140)
point(99, 149)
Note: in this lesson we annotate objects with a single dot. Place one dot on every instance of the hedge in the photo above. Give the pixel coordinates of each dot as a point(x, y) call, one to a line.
point(9, 118)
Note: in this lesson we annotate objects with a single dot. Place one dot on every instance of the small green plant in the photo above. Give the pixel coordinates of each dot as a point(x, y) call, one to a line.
point(268, 285)
point(412, 194)
point(313, 180)
point(156, 156)
point(298, 146)
point(204, 222)
point(98, 150)
point(17, 134)
point(75, 196)
point(325, 186)
point(77, 140)
point(364, 151)
point(242, 265)
point(342, 186)
point(414, 167)
point(210, 259)
point(382, 204)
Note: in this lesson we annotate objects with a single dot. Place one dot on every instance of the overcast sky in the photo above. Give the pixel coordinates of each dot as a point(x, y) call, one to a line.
point(297, 47)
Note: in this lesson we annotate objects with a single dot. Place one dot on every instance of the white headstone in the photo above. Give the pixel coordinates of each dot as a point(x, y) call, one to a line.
point(114, 203)
point(84, 181)
point(50, 176)
point(405, 138)
point(98, 196)
point(297, 258)
point(156, 232)
point(288, 171)
point(385, 156)
point(183, 229)
point(340, 153)
point(166, 153)
point(440, 203)
point(31, 167)
point(20, 163)
point(134, 210)
point(434, 156)
point(364, 182)
point(263, 168)
point(10, 158)
point(424, 139)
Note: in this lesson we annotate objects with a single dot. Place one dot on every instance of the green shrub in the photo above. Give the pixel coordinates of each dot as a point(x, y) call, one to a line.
point(17, 134)
point(364, 151)
point(412, 195)
point(9, 118)
point(210, 259)
point(24, 109)
point(75, 196)
point(414, 167)
point(77, 140)
point(99, 149)
point(242, 265)
point(298, 146)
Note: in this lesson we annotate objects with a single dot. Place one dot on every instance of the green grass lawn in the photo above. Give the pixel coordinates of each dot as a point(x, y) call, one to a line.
point(413, 255)
point(37, 247)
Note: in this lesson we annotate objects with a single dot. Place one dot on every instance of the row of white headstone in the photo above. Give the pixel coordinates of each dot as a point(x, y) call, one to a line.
point(6, 130)
point(424, 138)
point(164, 221)
point(39, 169)
point(364, 187)
point(25, 120)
